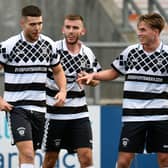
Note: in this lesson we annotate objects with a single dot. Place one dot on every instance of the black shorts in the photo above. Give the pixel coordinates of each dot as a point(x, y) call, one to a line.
point(26, 125)
point(151, 136)
point(67, 134)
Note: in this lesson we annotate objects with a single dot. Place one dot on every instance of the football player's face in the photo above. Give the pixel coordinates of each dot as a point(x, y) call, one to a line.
point(73, 30)
point(32, 27)
point(146, 34)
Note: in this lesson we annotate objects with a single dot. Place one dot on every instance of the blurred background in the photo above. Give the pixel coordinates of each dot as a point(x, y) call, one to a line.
point(110, 24)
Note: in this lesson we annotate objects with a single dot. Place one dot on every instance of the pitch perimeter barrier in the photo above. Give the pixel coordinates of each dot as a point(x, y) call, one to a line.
point(106, 125)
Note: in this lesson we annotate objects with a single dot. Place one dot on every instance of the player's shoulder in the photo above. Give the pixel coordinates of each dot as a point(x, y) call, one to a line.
point(165, 47)
point(11, 40)
point(59, 44)
point(129, 49)
point(133, 46)
point(86, 48)
point(47, 38)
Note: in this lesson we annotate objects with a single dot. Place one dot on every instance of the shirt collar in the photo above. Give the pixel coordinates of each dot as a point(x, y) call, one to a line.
point(64, 47)
point(24, 39)
point(158, 49)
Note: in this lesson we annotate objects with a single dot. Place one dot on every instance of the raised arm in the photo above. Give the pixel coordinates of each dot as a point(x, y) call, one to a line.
point(91, 83)
point(105, 75)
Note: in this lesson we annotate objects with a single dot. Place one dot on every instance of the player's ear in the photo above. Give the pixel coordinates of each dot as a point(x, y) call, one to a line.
point(21, 22)
point(62, 30)
point(83, 32)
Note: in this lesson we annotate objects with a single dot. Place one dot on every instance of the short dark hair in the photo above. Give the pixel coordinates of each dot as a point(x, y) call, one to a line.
point(31, 10)
point(74, 17)
point(154, 20)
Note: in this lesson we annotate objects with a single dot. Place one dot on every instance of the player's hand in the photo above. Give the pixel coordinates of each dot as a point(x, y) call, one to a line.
point(85, 78)
point(81, 82)
point(60, 98)
point(5, 106)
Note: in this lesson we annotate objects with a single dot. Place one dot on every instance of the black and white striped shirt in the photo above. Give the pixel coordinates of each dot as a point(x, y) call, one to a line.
point(146, 83)
point(25, 69)
point(75, 105)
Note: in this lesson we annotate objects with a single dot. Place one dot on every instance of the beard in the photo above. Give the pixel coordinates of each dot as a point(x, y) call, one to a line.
point(73, 41)
point(32, 38)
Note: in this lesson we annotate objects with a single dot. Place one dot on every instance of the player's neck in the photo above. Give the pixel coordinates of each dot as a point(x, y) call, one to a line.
point(152, 46)
point(74, 48)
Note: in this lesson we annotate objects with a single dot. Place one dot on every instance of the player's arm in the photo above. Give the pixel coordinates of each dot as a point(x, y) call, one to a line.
point(91, 83)
point(94, 83)
point(105, 75)
point(60, 79)
point(1, 66)
point(4, 106)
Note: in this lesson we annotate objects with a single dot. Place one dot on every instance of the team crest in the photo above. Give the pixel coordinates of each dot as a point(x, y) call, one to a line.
point(21, 131)
point(125, 142)
point(57, 142)
point(44, 51)
point(159, 61)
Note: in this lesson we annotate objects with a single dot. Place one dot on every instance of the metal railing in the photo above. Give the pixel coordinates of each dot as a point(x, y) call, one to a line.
point(155, 3)
point(152, 5)
point(126, 11)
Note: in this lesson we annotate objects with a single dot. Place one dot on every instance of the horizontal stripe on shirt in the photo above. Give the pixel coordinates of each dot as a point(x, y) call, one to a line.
point(41, 103)
point(67, 116)
point(144, 95)
point(25, 69)
point(28, 86)
point(66, 110)
point(70, 79)
point(70, 94)
point(144, 118)
point(146, 78)
point(143, 112)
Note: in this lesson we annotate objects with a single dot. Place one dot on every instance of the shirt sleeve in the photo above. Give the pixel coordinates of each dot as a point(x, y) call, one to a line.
point(55, 58)
point(94, 64)
point(3, 53)
point(120, 63)
point(6, 48)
